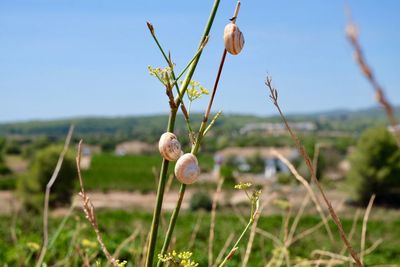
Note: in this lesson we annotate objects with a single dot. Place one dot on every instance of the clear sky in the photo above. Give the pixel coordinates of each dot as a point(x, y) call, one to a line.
point(62, 58)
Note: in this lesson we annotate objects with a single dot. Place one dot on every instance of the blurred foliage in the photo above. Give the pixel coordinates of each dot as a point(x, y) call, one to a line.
point(31, 186)
point(130, 172)
point(200, 200)
point(285, 178)
point(375, 165)
point(256, 163)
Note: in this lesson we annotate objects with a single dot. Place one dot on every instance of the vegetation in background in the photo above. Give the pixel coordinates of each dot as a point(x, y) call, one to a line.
point(131, 172)
point(200, 200)
point(375, 165)
point(31, 187)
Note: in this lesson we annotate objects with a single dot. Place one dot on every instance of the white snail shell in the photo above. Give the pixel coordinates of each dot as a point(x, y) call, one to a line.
point(187, 169)
point(233, 39)
point(169, 146)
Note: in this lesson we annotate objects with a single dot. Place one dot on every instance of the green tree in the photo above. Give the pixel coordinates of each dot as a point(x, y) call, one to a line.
point(3, 168)
point(32, 186)
point(375, 165)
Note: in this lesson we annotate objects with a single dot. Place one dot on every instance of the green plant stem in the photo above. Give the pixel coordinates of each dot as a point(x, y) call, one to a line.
point(171, 125)
point(175, 214)
point(160, 197)
point(235, 246)
point(195, 149)
point(196, 60)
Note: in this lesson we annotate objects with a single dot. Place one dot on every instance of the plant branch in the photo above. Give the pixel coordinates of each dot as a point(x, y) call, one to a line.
point(195, 147)
point(89, 210)
point(364, 226)
point(212, 221)
point(352, 35)
point(171, 124)
point(308, 188)
point(47, 196)
point(302, 151)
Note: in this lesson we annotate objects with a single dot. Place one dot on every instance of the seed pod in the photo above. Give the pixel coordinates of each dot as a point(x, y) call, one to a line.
point(233, 39)
point(169, 146)
point(187, 169)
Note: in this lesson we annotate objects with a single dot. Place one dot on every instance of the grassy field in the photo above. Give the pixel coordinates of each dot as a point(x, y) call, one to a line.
point(131, 173)
point(77, 240)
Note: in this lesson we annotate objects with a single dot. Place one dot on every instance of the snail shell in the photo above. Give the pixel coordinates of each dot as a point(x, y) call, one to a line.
point(187, 169)
point(233, 39)
point(169, 146)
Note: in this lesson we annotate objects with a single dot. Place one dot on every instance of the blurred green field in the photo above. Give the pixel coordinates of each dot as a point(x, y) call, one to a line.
point(77, 238)
point(128, 173)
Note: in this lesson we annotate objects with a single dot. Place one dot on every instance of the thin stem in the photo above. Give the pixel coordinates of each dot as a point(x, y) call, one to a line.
point(194, 151)
point(47, 196)
point(352, 35)
point(302, 151)
point(199, 138)
point(175, 79)
point(192, 68)
point(171, 124)
point(159, 198)
point(235, 246)
point(190, 62)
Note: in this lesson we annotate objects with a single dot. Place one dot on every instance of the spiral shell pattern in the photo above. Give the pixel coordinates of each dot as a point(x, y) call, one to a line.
point(169, 146)
point(187, 169)
point(233, 39)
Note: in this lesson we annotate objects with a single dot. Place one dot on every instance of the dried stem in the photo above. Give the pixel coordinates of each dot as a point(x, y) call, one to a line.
point(124, 243)
point(296, 221)
point(302, 151)
point(90, 213)
point(47, 197)
point(364, 225)
point(352, 35)
point(212, 221)
point(195, 231)
point(308, 188)
point(224, 248)
point(251, 238)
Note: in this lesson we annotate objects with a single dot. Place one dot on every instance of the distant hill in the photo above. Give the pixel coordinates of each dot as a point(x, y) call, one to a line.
point(148, 127)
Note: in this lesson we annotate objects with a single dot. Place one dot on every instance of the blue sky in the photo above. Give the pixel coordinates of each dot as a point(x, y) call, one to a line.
point(62, 58)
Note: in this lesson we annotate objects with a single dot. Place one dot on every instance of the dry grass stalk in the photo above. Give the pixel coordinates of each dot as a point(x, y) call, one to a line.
point(318, 262)
point(13, 225)
point(308, 188)
point(373, 246)
point(126, 242)
point(302, 151)
point(331, 255)
point(364, 225)
point(88, 208)
point(350, 235)
point(224, 248)
point(251, 237)
point(169, 183)
point(212, 221)
point(195, 231)
point(353, 228)
point(307, 232)
point(285, 224)
point(47, 196)
point(270, 236)
point(297, 220)
point(352, 35)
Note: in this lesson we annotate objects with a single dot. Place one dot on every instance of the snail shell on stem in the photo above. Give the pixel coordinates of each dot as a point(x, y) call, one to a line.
point(169, 146)
point(187, 169)
point(233, 39)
